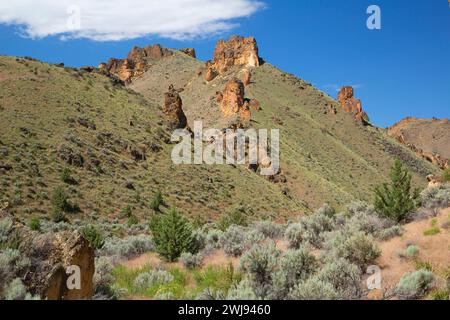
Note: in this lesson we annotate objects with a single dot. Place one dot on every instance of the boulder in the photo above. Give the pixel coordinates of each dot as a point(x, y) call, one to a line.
point(51, 256)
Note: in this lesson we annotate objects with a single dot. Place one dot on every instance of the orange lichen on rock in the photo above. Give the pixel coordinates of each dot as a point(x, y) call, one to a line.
point(352, 105)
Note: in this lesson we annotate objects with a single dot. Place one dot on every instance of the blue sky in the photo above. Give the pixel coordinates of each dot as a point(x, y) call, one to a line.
point(398, 71)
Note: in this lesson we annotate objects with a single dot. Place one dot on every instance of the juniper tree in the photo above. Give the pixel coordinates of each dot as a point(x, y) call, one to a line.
point(395, 200)
point(173, 235)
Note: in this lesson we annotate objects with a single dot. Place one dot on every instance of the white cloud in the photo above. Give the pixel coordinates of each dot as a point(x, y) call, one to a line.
point(113, 20)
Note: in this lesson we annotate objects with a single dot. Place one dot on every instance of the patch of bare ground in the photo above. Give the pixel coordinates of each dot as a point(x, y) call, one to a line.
point(433, 250)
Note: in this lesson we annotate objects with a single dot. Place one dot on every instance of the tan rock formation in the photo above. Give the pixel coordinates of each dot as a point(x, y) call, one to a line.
point(136, 62)
point(352, 105)
point(247, 77)
point(233, 100)
point(237, 51)
point(173, 109)
point(190, 52)
point(51, 256)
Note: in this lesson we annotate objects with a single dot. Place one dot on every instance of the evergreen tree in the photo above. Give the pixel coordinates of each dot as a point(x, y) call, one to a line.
point(173, 235)
point(395, 200)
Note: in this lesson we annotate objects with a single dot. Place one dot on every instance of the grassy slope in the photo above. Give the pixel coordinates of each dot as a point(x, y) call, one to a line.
point(38, 105)
point(327, 158)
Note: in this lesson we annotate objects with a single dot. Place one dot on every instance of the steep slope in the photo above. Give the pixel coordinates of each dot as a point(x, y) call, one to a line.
point(430, 138)
point(326, 155)
point(116, 145)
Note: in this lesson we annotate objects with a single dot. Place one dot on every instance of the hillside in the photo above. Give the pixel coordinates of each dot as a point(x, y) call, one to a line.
point(326, 155)
point(116, 143)
point(430, 138)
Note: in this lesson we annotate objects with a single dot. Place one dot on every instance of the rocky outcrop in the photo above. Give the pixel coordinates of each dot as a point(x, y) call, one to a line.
point(173, 109)
point(247, 77)
point(55, 259)
point(352, 105)
point(190, 52)
point(233, 102)
point(237, 51)
point(429, 138)
point(136, 63)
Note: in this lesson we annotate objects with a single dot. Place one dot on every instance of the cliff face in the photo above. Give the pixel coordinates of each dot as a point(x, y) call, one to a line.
point(429, 138)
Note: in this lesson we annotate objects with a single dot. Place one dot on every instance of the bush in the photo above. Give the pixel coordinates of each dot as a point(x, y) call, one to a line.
point(295, 234)
point(314, 289)
point(210, 294)
point(128, 247)
point(269, 229)
point(172, 235)
point(150, 279)
point(132, 221)
point(95, 238)
point(390, 233)
point(260, 263)
point(66, 176)
point(344, 277)
point(213, 239)
point(237, 217)
point(233, 241)
point(357, 248)
point(363, 217)
point(191, 261)
point(35, 224)
point(12, 263)
point(446, 175)
point(6, 226)
point(15, 290)
point(436, 197)
point(415, 285)
point(295, 266)
point(103, 276)
point(410, 253)
point(157, 201)
point(395, 200)
point(242, 292)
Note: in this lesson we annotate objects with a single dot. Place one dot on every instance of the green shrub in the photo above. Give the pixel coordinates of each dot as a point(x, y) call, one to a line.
point(295, 266)
point(15, 290)
point(438, 197)
point(358, 248)
point(314, 289)
point(95, 238)
point(411, 252)
point(128, 247)
point(213, 239)
point(132, 221)
point(152, 278)
point(66, 176)
point(344, 277)
point(415, 285)
point(6, 226)
point(236, 217)
point(395, 200)
point(233, 241)
point(172, 234)
point(269, 229)
point(191, 261)
point(103, 276)
point(446, 175)
point(242, 292)
point(157, 201)
point(295, 234)
point(35, 224)
point(260, 263)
